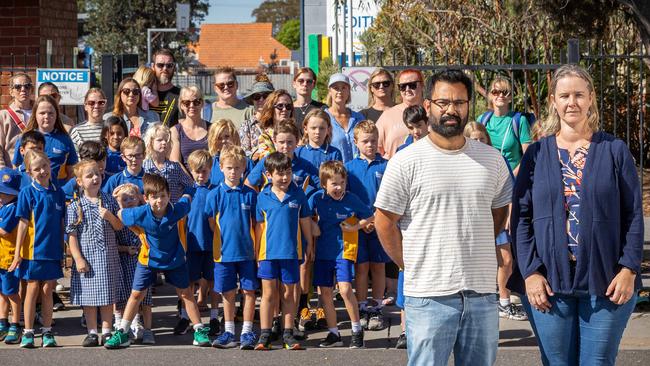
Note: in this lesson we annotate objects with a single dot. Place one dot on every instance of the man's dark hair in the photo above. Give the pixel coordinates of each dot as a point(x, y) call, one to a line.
point(277, 162)
point(92, 150)
point(35, 137)
point(47, 83)
point(451, 77)
point(154, 183)
point(415, 114)
point(164, 52)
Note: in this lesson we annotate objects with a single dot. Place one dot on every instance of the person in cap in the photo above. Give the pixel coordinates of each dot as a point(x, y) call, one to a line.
point(9, 282)
point(343, 118)
point(250, 130)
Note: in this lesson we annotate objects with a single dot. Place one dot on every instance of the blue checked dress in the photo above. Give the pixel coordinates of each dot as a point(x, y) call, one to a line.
point(98, 245)
point(126, 237)
point(176, 177)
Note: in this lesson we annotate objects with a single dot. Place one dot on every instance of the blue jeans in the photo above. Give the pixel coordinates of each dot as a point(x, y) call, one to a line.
point(580, 329)
point(466, 323)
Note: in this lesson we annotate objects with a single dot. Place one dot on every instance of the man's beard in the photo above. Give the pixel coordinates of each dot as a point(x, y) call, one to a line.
point(441, 129)
point(164, 79)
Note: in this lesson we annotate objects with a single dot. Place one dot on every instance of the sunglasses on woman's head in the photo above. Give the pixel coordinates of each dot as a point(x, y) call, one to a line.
point(496, 92)
point(283, 106)
point(194, 102)
point(411, 85)
point(378, 84)
point(127, 91)
point(100, 103)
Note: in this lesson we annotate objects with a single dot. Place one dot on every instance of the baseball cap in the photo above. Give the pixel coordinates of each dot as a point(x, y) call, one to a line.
point(9, 181)
point(338, 77)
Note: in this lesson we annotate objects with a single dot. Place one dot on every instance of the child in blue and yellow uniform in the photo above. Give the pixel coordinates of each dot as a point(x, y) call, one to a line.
point(199, 237)
point(96, 274)
point(163, 250)
point(316, 139)
point(39, 244)
point(285, 138)
point(113, 133)
point(133, 155)
point(340, 216)
point(220, 134)
point(364, 176)
point(416, 120)
point(58, 144)
point(282, 218)
point(158, 142)
point(230, 209)
point(31, 140)
point(9, 282)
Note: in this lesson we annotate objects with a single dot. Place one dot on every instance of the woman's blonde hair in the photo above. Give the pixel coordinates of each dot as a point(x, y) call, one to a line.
point(190, 90)
point(153, 131)
point(145, 76)
point(217, 129)
point(552, 124)
point(316, 113)
point(498, 81)
point(380, 71)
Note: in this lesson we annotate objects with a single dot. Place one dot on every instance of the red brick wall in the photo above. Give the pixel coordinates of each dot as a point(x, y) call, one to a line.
point(25, 27)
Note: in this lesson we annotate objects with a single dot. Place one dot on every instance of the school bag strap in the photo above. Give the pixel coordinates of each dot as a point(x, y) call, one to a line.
point(16, 119)
point(516, 121)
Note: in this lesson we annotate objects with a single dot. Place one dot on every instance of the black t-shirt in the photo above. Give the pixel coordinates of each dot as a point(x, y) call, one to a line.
point(299, 113)
point(371, 114)
point(168, 106)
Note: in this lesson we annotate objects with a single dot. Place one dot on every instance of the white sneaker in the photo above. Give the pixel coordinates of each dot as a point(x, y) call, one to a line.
point(138, 330)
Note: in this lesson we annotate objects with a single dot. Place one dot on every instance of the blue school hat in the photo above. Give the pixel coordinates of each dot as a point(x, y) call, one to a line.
point(9, 181)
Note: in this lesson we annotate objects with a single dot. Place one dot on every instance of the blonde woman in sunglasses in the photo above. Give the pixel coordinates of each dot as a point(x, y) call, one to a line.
point(13, 119)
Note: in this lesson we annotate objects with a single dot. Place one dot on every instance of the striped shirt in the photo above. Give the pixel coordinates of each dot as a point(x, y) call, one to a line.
point(86, 132)
point(445, 200)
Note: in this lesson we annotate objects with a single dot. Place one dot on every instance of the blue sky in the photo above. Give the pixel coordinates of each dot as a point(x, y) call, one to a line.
point(231, 11)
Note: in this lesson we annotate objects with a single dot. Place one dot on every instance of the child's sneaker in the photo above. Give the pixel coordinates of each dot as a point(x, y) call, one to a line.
point(357, 340)
point(225, 340)
point(363, 318)
point(12, 335)
point(332, 340)
point(376, 320)
point(321, 321)
point(3, 331)
point(215, 327)
point(48, 340)
point(401, 341)
point(91, 340)
point(264, 343)
point(276, 328)
point(105, 337)
point(298, 334)
point(201, 337)
point(148, 337)
point(120, 339)
point(306, 322)
point(182, 326)
point(290, 341)
point(28, 340)
point(247, 341)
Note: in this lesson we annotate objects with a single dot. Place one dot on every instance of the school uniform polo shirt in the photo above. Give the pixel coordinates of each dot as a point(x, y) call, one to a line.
point(216, 175)
point(233, 210)
point(364, 178)
point(281, 237)
point(318, 155)
point(304, 174)
point(61, 152)
point(333, 243)
point(8, 223)
point(25, 179)
point(199, 235)
point(114, 162)
point(409, 140)
point(122, 178)
point(163, 239)
point(44, 209)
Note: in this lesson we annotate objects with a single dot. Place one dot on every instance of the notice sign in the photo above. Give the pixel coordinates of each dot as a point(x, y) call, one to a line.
point(72, 83)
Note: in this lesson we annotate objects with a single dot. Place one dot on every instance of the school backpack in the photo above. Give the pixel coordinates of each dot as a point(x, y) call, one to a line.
point(516, 120)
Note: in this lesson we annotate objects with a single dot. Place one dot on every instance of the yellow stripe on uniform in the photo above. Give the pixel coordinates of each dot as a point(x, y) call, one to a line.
point(351, 241)
point(262, 254)
point(27, 251)
point(143, 256)
point(182, 232)
point(216, 240)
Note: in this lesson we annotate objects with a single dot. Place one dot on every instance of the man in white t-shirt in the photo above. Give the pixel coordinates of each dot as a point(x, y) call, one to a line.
point(440, 203)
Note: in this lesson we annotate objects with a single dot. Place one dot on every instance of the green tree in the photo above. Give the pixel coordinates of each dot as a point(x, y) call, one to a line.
point(289, 34)
point(119, 26)
point(277, 12)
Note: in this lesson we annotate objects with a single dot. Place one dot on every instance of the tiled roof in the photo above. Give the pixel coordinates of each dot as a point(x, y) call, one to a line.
point(238, 45)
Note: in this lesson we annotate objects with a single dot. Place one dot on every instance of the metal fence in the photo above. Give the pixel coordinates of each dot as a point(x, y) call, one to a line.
point(206, 82)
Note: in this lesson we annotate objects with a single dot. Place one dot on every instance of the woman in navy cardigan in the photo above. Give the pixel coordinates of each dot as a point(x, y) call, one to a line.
point(578, 225)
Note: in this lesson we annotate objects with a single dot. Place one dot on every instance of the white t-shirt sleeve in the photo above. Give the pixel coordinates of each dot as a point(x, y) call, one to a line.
point(394, 191)
point(503, 196)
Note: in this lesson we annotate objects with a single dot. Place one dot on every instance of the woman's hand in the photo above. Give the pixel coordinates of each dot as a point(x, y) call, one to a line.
point(621, 289)
point(538, 292)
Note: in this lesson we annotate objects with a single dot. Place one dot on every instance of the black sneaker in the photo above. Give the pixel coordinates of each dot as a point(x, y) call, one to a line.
point(290, 341)
point(57, 303)
point(106, 337)
point(215, 327)
point(91, 340)
point(332, 340)
point(357, 340)
point(264, 343)
point(276, 328)
point(401, 341)
point(182, 326)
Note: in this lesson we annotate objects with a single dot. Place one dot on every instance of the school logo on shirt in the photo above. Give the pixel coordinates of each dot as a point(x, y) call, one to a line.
point(293, 204)
point(58, 207)
point(342, 216)
point(379, 175)
point(6, 178)
point(245, 207)
point(57, 151)
point(297, 179)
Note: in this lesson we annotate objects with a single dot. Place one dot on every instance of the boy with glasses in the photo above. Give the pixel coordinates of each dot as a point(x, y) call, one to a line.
point(132, 149)
point(229, 106)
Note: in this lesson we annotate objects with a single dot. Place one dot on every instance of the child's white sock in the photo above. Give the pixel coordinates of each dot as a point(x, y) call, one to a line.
point(356, 326)
point(214, 313)
point(229, 327)
point(504, 302)
point(184, 314)
point(106, 330)
point(28, 331)
point(197, 326)
point(247, 327)
point(334, 330)
point(125, 325)
point(118, 319)
point(92, 331)
point(46, 329)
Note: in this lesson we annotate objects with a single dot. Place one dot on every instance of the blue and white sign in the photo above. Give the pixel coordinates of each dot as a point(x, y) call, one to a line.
point(72, 83)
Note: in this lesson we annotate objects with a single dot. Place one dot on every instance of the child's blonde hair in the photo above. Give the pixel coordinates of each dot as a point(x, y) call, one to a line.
point(365, 126)
point(232, 153)
point(33, 155)
point(145, 76)
point(152, 132)
point(132, 142)
point(199, 159)
point(329, 169)
point(128, 188)
point(79, 167)
point(472, 126)
point(217, 129)
point(316, 113)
